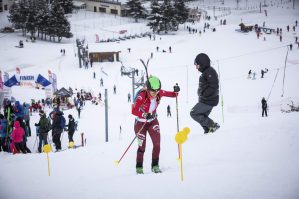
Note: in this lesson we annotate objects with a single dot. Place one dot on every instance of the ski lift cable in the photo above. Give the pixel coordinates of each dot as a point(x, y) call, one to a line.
point(251, 53)
point(273, 84)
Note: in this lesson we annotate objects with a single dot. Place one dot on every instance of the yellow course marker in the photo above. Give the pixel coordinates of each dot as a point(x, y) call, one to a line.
point(181, 138)
point(47, 149)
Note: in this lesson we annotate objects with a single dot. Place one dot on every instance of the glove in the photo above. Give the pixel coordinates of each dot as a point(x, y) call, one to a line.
point(148, 116)
point(176, 88)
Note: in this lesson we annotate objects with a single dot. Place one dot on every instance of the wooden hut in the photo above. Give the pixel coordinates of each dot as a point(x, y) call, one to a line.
point(104, 56)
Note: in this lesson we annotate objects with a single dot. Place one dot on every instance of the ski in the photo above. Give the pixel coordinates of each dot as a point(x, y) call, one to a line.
point(145, 67)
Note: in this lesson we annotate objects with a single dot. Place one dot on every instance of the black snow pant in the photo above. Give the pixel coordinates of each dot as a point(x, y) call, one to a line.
point(264, 112)
point(56, 138)
point(28, 126)
point(20, 146)
point(2, 144)
point(71, 134)
point(200, 113)
point(26, 148)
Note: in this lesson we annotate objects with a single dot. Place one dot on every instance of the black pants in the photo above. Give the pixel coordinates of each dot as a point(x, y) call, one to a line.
point(28, 126)
point(71, 134)
point(200, 113)
point(56, 138)
point(26, 148)
point(264, 112)
point(20, 146)
point(3, 147)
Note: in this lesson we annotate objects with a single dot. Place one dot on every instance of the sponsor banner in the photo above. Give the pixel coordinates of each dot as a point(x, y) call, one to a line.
point(28, 81)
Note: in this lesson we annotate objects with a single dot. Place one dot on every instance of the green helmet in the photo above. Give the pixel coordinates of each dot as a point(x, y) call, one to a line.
point(153, 83)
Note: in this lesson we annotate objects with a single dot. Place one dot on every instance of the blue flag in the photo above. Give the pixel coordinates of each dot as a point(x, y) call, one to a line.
point(42, 81)
point(11, 82)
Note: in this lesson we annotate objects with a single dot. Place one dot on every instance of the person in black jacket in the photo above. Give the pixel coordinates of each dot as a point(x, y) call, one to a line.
point(43, 127)
point(71, 128)
point(264, 107)
point(208, 94)
point(56, 129)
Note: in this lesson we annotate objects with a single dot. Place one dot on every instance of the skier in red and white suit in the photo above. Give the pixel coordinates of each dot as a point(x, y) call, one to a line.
point(145, 108)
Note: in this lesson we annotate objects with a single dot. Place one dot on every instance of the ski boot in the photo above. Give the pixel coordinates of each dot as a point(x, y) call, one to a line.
point(156, 169)
point(206, 130)
point(214, 127)
point(139, 170)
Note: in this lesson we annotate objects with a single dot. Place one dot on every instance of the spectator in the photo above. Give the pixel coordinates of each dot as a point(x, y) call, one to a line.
point(71, 128)
point(168, 111)
point(264, 107)
point(17, 137)
point(43, 127)
point(208, 94)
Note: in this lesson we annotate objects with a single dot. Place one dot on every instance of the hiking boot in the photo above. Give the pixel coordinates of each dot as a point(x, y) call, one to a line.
point(156, 169)
point(139, 170)
point(214, 127)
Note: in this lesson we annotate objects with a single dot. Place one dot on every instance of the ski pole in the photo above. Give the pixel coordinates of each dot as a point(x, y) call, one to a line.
point(221, 93)
point(34, 142)
point(177, 122)
point(118, 161)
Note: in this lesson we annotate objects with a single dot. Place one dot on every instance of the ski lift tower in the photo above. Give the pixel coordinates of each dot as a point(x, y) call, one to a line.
point(80, 56)
point(131, 72)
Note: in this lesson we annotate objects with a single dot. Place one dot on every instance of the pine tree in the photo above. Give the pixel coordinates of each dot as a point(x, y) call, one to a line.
point(67, 6)
point(135, 9)
point(155, 17)
point(168, 19)
point(32, 16)
point(59, 25)
point(181, 11)
point(14, 16)
point(43, 16)
point(18, 15)
point(31, 24)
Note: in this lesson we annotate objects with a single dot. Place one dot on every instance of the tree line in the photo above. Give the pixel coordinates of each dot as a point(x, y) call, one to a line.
point(164, 15)
point(42, 19)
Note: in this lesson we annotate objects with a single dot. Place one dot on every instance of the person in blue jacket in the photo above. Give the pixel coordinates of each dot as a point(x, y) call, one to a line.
point(27, 119)
point(18, 110)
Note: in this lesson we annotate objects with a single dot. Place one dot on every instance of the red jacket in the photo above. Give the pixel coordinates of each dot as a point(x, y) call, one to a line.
point(142, 103)
point(17, 133)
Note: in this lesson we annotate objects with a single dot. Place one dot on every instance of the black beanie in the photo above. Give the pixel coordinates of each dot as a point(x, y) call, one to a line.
point(202, 59)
